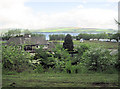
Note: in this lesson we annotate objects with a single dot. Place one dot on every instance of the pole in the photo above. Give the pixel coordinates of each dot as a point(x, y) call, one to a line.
point(118, 44)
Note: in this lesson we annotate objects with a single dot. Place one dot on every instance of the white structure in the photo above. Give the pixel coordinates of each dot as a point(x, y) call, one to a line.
point(104, 40)
point(107, 40)
point(91, 39)
point(113, 40)
point(95, 39)
point(81, 40)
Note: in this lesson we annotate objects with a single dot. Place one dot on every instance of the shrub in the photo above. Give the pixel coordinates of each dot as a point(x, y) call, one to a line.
point(98, 59)
point(81, 49)
point(39, 69)
point(47, 59)
point(14, 59)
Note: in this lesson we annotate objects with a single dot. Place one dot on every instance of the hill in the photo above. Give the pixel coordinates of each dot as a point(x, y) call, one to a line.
point(76, 30)
point(69, 30)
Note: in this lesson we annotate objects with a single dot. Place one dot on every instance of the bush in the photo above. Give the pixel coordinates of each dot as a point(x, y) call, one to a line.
point(82, 48)
point(14, 59)
point(98, 59)
point(39, 69)
point(46, 58)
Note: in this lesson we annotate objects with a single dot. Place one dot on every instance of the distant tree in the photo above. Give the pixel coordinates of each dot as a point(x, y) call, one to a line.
point(115, 36)
point(57, 37)
point(68, 43)
point(27, 31)
point(17, 32)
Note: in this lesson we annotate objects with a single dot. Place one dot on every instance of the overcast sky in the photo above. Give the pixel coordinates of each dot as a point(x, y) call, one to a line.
point(37, 14)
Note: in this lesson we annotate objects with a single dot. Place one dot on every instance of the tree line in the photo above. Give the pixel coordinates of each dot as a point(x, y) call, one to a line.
point(18, 33)
point(57, 37)
point(86, 36)
point(98, 36)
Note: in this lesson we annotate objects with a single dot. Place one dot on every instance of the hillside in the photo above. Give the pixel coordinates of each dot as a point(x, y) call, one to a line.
point(69, 30)
point(76, 30)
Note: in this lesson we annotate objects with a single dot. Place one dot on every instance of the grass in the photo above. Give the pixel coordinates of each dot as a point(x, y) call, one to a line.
point(60, 80)
point(63, 80)
point(106, 45)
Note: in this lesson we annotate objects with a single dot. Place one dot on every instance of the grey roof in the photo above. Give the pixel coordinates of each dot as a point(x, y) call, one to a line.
point(29, 40)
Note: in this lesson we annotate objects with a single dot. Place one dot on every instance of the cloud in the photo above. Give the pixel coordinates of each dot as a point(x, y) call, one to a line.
point(93, 18)
point(14, 14)
point(113, 0)
point(80, 6)
point(82, 1)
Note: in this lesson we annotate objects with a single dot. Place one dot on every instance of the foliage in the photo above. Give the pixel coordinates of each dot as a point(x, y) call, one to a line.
point(82, 48)
point(27, 31)
point(57, 37)
point(98, 59)
point(115, 36)
point(55, 60)
point(77, 57)
point(14, 59)
point(46, 58)
point(89, 58)
point(39, 68)
point(37, 35)
point(92, 36)
point(11, 33)
point(68, 43)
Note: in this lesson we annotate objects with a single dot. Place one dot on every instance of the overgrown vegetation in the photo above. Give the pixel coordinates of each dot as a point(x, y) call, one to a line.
point(98, 36)
point(14, 59)
point(93, 66)
point(88, 59)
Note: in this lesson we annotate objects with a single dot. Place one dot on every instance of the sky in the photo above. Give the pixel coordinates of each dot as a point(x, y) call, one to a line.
point(39, 14)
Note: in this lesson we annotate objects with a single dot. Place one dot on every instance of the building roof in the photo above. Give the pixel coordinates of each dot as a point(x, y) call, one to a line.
point(27, 40)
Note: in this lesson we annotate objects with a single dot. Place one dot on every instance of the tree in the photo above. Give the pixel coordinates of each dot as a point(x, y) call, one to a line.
point(115, 36)
point(14, 59)
point(17, 31)
point(68, 43)
point(27, 31)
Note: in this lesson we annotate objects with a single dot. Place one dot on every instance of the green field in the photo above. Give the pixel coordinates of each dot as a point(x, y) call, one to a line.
point(76, 30)
point(107, 45)
point(60, 80)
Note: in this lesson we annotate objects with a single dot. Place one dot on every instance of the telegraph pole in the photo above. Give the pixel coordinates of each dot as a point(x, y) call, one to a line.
point(118, 45)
